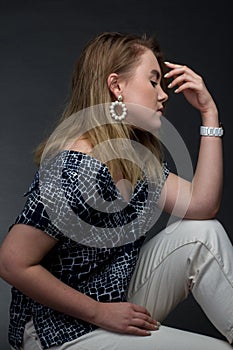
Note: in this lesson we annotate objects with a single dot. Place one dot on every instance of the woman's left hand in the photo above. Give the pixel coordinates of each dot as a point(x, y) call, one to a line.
point(192, 86)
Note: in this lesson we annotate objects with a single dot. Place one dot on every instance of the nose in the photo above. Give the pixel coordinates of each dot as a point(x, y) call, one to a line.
point(162, 96)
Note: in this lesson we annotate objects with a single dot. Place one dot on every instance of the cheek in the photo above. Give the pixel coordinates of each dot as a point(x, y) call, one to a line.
point(140, 93)
point(143, 117)
point(131, 95)
point(135, 91)
point(141, 96)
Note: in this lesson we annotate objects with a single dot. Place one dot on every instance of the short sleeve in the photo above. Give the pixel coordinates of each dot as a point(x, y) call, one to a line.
point(34, 213)
point(73, 196)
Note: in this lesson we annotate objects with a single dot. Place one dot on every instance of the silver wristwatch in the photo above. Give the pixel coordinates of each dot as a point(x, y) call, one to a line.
point(211, 131)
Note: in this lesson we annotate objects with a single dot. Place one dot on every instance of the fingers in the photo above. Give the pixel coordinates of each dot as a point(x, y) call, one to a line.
point(127, 318)
point(183, 77)
point(141, 309)
point(145, 324)
point(142, 320)
point(143, 328)
point(178, 68)
point(138, 331)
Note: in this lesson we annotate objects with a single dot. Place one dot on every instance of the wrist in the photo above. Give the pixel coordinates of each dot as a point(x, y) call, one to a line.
point(210, 118)
point(94, 312)
point(211, 122)
point(86, 308)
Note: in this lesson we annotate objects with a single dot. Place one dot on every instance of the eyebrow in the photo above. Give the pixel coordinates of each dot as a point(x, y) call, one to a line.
point(156, 73)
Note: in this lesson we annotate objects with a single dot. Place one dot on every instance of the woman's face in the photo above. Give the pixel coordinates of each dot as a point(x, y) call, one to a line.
point(143, 92)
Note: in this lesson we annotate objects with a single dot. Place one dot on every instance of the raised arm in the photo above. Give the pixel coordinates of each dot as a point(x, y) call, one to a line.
point(201, 198)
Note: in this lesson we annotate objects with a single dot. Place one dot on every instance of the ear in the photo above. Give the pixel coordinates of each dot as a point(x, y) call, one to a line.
point(114, 84)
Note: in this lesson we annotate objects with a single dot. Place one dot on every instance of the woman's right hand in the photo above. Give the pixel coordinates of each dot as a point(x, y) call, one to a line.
point(124, 317)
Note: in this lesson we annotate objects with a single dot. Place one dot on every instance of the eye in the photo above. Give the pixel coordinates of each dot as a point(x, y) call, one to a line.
point(153, 83)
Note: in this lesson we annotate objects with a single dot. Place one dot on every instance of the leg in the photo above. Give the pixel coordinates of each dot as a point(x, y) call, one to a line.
point(31, 340)
point(196, 256)
point(165, 338)
point(192, 256)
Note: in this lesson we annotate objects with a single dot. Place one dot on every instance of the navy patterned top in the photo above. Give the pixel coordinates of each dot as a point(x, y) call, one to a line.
point(74, 199)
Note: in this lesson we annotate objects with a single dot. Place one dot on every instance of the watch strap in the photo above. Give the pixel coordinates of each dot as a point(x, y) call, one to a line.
point(211, 131)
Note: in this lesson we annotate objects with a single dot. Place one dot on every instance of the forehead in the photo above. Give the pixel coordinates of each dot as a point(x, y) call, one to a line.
point(149, 61)
point(149, 58)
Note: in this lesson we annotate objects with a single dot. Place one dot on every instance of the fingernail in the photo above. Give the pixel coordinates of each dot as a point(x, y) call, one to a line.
point(166, 75)
point(158, 324)
point(166, 62)
point(148, 332)
point(169, 85)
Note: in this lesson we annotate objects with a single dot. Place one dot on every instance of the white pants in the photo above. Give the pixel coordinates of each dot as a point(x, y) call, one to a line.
point(194, 256)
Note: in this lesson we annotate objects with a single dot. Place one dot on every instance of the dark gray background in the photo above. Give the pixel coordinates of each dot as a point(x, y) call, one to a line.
point(39, 43)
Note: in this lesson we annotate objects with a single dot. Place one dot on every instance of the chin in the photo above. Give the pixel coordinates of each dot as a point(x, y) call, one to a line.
point(154, 124)
point(152, 127)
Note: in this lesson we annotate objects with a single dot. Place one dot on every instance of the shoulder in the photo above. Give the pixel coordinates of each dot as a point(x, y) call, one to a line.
point(82, 145)
point(73, 168)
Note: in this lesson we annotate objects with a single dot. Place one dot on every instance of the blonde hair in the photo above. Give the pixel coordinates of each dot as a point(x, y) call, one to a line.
point(107, 53)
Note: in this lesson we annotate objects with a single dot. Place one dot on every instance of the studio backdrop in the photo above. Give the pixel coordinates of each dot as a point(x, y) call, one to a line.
point(39, 44)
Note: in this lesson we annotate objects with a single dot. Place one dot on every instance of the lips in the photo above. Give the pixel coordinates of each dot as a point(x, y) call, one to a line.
point(160, 109)
point(160, 112)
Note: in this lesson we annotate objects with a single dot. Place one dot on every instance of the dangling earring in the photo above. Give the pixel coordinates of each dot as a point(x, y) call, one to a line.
point(122, 105)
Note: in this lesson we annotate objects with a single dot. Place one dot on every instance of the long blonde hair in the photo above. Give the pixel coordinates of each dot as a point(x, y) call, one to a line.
point(107, 53)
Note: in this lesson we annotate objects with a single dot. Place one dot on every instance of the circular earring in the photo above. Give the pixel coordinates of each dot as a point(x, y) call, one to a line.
point(113, 111)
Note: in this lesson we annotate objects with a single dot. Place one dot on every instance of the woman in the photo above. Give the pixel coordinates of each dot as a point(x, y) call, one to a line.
point(83, 276)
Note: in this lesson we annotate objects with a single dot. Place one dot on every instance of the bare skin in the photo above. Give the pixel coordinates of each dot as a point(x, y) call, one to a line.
point(196, 199)
point(25, 246)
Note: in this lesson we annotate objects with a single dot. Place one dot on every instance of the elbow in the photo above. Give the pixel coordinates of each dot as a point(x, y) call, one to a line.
point(203, 211)
point(211, 210)
point(211, 213)
point(206, 216)
point(214, 212)
point(204, 202)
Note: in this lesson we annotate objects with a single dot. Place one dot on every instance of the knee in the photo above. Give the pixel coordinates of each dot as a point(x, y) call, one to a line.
point(208, 232)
